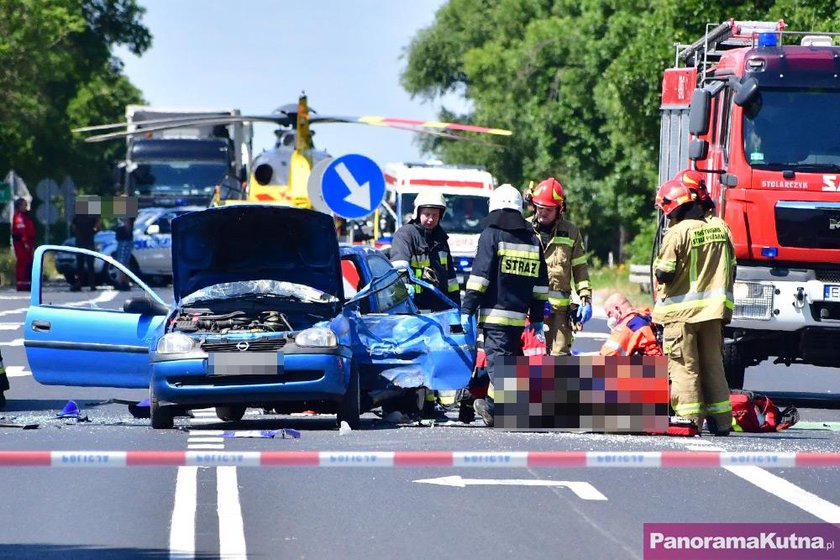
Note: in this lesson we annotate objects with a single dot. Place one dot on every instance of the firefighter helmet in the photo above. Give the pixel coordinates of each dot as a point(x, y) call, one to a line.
point(506, 197)
point(673, 194)
point(429, 199)
point(549, 193)
point(694, 181)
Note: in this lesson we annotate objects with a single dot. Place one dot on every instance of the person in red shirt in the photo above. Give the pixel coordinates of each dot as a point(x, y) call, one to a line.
point(632, 331)
point(23, 238)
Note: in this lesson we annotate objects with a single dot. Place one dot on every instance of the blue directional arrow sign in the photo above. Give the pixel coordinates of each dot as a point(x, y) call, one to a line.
point(353, 186)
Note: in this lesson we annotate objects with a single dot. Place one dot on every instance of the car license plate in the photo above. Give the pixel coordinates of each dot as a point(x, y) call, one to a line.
point(831, 292)
point(245, 363)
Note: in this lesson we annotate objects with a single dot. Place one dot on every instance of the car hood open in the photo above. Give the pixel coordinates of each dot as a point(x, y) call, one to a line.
point(255, 242)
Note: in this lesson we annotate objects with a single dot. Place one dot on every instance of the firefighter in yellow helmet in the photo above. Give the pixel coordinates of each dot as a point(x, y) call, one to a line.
point(565, 258)
point(695, 273)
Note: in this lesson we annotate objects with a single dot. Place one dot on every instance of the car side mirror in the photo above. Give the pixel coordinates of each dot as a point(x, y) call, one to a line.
point(698, 114)
point(153, 229)
point(144, 306)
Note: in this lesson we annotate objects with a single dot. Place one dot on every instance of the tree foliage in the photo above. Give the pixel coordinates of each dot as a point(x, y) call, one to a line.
point(578, 82)
point(57, 72)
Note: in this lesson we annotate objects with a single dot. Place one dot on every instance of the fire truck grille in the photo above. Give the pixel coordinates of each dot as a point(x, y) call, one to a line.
point(828, 276)
point(806, 225)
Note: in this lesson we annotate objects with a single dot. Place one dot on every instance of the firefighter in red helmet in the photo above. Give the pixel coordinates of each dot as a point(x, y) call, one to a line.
point(565, 257)
point(695, 273)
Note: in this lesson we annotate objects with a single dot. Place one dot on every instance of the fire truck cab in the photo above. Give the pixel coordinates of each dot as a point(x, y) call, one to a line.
point(756, 108)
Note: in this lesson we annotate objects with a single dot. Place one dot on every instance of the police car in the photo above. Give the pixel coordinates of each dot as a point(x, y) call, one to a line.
point(151, 257)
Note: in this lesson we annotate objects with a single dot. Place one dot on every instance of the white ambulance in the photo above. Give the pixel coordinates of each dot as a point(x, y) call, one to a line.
point(466, 190)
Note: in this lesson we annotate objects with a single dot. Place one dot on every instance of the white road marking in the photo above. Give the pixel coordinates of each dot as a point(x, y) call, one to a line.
point(231, 527)
point(583, 490)
point(206, 446)
point(14, 342)
point(789, 492)
point(182, 527)
point(202, 439)
point(10, 326)
point(14, 311)
point(17, 371)
point(778, 486)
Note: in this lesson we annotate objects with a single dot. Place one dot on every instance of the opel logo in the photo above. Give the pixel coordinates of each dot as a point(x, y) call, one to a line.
point(242, 346)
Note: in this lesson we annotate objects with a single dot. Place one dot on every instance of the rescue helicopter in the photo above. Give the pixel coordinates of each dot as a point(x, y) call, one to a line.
point(280, 175)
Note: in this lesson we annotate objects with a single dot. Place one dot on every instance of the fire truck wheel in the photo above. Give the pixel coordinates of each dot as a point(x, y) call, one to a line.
point(733, 364)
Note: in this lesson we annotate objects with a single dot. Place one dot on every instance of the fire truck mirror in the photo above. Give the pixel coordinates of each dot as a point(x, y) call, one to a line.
point(697, 149)
point(747, 92)
point(698, 116)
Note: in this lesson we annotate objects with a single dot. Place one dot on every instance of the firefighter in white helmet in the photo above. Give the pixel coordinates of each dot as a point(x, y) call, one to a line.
point(422, 246)
point(507, 286)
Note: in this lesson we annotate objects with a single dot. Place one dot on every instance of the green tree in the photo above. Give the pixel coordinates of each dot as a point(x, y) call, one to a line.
point(57, 72)
point(578, 82)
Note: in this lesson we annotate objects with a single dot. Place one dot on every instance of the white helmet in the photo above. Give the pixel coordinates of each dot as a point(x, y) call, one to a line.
point(506, 197)
point(430, 199)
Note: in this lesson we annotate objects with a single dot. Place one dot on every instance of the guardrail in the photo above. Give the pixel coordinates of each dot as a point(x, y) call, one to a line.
point(640, 274)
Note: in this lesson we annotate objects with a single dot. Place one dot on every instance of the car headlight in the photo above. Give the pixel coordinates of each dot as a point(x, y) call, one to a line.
point(175, 343)
point(322, 337)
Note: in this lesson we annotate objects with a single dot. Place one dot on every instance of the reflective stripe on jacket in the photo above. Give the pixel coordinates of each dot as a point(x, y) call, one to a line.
point(700, 254)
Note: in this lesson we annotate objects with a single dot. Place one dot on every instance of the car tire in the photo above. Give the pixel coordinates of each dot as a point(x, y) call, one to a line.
point(70, 277)
point(350, 407)
point(232, 413)
point(733, 364)
point(162, 417)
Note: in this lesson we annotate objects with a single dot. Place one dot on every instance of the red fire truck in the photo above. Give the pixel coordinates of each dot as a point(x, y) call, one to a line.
point(757, 109)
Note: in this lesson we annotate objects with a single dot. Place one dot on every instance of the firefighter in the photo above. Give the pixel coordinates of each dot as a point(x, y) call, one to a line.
point(422, 246)
point(23, 238)
point(631, 330)
point(695, 275)
point(507, 286)
point(566, 261)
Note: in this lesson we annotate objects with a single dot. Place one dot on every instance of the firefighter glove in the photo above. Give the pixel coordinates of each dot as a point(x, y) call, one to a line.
point(429, 275)
point(584, 313)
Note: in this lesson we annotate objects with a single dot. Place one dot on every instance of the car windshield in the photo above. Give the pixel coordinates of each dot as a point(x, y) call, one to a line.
point(256, 288)
point(463, 212)
point(178, 177)
point(793, 129)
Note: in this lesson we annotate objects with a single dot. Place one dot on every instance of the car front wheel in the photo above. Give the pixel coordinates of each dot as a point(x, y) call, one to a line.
point(163, 417)
point(350, 408)
point(232, 413)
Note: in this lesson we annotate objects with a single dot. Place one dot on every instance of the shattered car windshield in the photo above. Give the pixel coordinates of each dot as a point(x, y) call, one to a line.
point(273, 288)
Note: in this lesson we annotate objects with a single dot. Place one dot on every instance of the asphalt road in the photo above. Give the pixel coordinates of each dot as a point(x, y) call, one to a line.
point(311, 512)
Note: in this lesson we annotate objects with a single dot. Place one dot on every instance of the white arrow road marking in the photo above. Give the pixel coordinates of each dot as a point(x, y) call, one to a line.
point(584, 490)
point(359, 194)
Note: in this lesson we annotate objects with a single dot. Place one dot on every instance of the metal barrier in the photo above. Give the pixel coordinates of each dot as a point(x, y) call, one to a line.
point(640, 274)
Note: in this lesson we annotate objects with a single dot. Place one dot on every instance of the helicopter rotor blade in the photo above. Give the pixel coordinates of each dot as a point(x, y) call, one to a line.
point(396, 122)
point(172, 124)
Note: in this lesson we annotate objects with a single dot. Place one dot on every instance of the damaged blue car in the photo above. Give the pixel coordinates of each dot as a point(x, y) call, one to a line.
point(264, 315)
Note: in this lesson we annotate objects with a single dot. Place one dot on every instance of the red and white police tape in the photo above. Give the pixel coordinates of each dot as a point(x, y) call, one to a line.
point(504, 459)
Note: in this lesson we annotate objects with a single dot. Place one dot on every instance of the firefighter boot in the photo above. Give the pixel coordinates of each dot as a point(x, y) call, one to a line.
point(484, 408)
